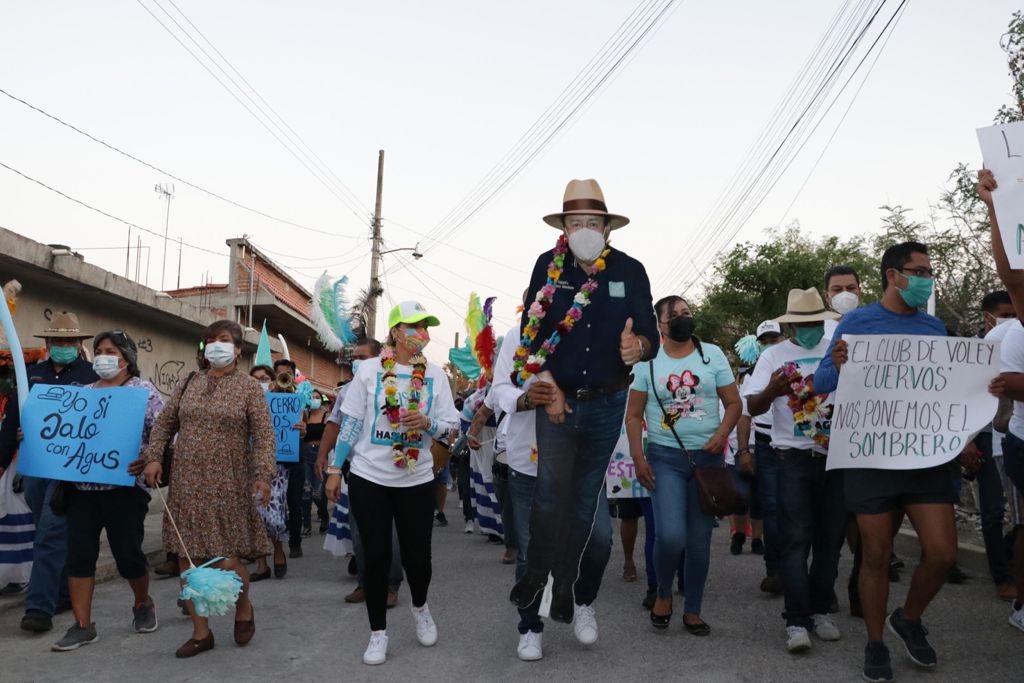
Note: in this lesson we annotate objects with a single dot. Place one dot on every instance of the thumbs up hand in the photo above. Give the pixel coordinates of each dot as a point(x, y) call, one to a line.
point(629, 345)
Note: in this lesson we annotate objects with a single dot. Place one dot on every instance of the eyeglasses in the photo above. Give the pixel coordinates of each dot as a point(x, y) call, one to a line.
point(918, 272)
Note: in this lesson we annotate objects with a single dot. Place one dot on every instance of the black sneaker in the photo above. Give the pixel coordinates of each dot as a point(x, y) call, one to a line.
point(296, 552)
point(895, 562)
point(772, 584)
point(36, 621)
point(956, 575)
point(76, 637)
point(353, 569)
point(441, 519)
point(738, 539)
point(912, 633)
point(144, 617)
point(757, 546)
point(652, 595)
point(877, 667)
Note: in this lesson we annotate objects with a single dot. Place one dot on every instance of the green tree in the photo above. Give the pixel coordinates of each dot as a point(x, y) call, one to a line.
point(1012, 43)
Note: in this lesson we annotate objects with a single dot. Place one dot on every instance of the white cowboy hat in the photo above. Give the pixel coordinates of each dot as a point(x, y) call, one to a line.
point(806, 306)
point(584, 197)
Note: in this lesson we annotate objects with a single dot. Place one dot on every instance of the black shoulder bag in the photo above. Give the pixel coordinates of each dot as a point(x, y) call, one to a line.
point(715, 486)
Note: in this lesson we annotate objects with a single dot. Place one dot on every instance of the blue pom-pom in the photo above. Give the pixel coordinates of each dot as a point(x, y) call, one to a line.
point(212, 591)
point(748, 349)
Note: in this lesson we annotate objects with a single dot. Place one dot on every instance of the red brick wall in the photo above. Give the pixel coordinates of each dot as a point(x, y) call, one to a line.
point(270, 279)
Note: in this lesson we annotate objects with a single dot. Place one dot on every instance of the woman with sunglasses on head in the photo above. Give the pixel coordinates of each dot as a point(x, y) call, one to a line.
point(121, 510)
point(395, 408)
point(224, 454)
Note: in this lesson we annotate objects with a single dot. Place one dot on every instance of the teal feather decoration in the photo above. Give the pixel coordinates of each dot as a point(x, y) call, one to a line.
point(748, 349)
point(330, 313)
point(212, 591)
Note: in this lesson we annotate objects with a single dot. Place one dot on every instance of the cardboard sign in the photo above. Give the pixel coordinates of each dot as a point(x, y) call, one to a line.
point(82, 435)
point(1002, 148)
point(621, 481)
point(910, 402)
point(286, 412)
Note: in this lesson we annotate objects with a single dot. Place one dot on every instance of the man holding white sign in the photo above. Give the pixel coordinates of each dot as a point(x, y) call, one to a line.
point(906, 406)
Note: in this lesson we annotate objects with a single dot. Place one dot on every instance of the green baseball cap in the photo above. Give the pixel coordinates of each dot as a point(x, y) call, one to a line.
point(410, 313)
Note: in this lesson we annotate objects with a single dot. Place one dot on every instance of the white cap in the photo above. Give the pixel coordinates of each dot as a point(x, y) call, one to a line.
point(768, 327)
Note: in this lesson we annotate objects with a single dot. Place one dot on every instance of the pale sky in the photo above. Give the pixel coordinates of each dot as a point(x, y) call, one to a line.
point(446, 89)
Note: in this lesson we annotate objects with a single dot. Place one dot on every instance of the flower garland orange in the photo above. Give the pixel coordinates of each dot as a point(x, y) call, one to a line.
point(405, 446)
point(805, 404)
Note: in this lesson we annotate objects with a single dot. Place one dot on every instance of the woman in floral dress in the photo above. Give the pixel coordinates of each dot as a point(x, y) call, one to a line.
point(224, 454)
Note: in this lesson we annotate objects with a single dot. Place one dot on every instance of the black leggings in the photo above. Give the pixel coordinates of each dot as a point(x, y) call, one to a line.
point(293, 496)
point(122, 512)
point(411, 509)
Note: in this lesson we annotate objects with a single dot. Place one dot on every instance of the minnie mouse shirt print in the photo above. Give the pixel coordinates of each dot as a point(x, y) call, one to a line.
point(688, 388)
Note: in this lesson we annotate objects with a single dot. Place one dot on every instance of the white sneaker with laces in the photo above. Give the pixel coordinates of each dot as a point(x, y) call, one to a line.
point(584, 623)
point(797, 639)
point(1017, 618)
point(826, 628)
point(426, 630)
point(469, 527)
point(377, 650)
point(530, 647)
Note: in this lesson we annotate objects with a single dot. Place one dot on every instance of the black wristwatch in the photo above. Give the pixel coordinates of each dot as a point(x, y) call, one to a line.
point(526, 401)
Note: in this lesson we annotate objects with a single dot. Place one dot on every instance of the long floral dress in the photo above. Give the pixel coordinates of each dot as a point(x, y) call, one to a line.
point(225, 444)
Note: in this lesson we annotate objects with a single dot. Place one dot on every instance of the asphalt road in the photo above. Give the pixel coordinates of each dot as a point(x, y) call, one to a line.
point(306, 632)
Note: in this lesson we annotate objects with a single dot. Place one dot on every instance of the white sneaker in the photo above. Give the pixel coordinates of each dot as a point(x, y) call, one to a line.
point(469, 527)
point(377, 650)
point(825, 628)
point(797, 639)
point(584, 623)
point(529, 647)
point(426, 630)
point(1017, 618)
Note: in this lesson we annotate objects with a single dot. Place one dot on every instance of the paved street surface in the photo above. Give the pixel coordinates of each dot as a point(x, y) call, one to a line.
point(305, 631)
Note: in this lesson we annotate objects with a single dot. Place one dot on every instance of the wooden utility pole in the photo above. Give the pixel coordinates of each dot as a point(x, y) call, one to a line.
point(375, 289)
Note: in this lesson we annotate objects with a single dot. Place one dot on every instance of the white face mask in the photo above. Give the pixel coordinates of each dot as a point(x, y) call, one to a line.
point(220, 354)
point(266, 386)
point(844, 302)
point(587, 244)
point(107, 367)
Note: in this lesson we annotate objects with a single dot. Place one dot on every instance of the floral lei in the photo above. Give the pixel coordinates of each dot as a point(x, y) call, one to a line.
point(405, 447)
point(805, 404)
point(525, 364)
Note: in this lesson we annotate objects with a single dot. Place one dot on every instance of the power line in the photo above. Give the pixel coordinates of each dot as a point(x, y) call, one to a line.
point(104, 213)
point(170, 175)
point(288, 147)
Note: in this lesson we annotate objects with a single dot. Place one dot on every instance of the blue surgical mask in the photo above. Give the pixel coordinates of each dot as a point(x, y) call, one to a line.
point(356, 362)
point(315, 403)
point(220, 354)
point(107, 367)
point(63, 355)
point(918, 291)
point(809, 337)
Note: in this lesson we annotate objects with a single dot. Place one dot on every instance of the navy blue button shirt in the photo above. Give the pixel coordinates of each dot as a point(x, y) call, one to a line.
point(589, 357)
point(79, 373)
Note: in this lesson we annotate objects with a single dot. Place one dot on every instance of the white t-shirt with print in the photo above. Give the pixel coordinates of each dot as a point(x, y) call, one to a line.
point(372, 457)
point(1013, 361)
point(784, 430)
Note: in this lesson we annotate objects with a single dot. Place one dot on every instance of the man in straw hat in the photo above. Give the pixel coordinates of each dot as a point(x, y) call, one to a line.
point(591, 319)
point(48, 584)
point(811, 516)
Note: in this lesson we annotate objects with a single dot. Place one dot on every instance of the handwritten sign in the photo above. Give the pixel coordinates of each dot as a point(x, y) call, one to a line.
point(911, 402)
point(82, 435)
point(285, 412)
point(621, 481)
point(1002, 148)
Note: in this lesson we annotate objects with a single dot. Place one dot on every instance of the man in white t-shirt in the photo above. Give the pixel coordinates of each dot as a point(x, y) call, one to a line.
point(1013, 448)
point(811, 513)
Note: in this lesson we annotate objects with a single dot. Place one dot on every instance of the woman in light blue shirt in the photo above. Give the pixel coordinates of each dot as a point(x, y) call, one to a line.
point(689, 378)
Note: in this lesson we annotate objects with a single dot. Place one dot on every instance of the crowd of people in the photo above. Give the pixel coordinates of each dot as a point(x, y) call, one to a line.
point(593, 358)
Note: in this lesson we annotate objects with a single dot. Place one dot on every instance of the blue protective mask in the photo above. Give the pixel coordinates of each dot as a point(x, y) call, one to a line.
point(809, 337)
point(356, 362)
point(315, 403)
point(918, 291)
point(63, 355)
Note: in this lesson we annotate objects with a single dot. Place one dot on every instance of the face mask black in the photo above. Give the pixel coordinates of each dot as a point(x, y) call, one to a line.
point(680, 328)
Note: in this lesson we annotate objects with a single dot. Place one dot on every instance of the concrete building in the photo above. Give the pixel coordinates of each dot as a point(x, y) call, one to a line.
point(166, 326)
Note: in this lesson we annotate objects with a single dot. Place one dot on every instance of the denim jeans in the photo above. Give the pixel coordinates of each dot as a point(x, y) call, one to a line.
point(48, 583)
point(396, 574)
point(650, 532)
point(521, 489)
point(812, 517)
point(992, 502)
point(679, 523)
point(571, 470)
point(766, 467)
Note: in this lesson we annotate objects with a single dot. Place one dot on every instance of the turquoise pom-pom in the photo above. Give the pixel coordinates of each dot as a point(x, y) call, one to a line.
point(748, 349)
point(212, 591)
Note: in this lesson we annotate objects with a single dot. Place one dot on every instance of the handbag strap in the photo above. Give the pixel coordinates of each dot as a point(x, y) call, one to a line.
point(661, 405)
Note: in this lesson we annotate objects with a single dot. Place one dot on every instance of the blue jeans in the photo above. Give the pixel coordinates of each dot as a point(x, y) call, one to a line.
point(48, 584)
point(992, 502)
point(521, 489)
point(679, 524)
point(571, 470)
point(766, 467)
point(812, 517)
point(649, 533)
